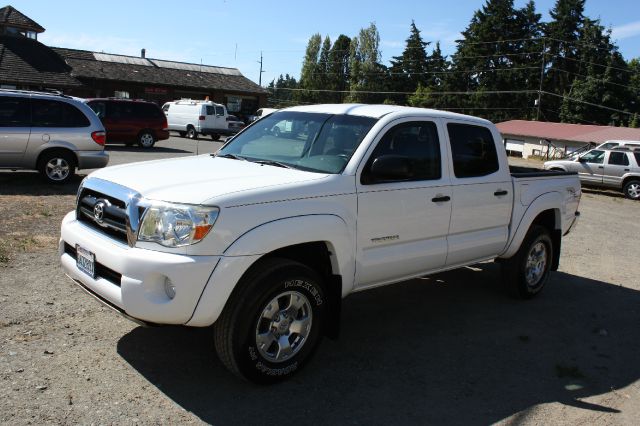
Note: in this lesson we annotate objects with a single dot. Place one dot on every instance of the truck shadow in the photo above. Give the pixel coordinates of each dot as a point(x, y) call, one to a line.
point(26, 182)
point(445, 349)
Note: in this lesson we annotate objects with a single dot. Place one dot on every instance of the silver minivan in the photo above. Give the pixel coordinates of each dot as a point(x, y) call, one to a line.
point(617, 168)
point(52, 133)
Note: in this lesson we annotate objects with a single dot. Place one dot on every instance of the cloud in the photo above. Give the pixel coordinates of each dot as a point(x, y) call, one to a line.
point(626, 31)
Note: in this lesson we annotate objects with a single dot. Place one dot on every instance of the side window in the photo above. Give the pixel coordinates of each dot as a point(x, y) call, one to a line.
point(637, 155)
point(220, 111)
point(210, 109)
point(473, 150)
point(618, 159)
point(14, 112)
point(99, 108)
point(417, 143)
point(165, 108)
point(50, 113)
point(595, 157)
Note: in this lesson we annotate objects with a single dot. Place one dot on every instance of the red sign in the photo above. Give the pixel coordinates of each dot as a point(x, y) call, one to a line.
point(155, 90)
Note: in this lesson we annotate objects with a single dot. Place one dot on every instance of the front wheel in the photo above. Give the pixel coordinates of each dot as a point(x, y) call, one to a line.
point(526, 273)
point(632, 189)
point(272, 323)
point(215, 136)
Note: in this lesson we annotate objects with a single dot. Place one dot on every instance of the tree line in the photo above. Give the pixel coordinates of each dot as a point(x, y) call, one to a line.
point(509, 64)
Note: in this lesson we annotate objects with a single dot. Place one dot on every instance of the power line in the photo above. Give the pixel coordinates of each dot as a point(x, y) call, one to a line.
point(594, 78)
point(590, 63)
point(588, 103)
point(481, 92)
point(579, 119)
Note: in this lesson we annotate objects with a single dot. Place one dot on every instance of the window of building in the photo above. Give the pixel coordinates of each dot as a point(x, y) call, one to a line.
point(121, 94)
point(473, 149)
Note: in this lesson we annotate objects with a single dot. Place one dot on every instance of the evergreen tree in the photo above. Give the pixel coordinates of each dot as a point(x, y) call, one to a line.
point(339, 69)
point(279, 96)
point(410, 69)
point(310, 72)
point(562, 35)
point(495, 56)
point(323, 71)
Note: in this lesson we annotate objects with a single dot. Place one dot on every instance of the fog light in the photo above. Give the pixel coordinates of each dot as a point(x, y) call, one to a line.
point(169, 288)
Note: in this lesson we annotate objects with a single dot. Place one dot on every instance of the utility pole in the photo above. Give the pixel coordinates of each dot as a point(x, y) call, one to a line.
point(261, 71)
point(544, 48)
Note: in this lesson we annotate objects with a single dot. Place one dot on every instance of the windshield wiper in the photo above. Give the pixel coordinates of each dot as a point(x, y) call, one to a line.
point(232, 156)
point(274, 163)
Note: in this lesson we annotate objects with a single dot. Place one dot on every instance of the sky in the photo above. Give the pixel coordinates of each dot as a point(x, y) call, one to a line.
point(232, 33)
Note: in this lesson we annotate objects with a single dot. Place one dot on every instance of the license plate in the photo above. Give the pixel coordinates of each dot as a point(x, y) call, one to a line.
point(85, 260)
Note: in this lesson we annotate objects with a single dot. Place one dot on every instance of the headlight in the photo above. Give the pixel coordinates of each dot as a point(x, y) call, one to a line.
point(176, 225)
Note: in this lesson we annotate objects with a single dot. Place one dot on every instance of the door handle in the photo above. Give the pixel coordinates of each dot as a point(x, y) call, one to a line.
point(627, 170)
point(601, 167)
point(500, 193)
point(441, 199)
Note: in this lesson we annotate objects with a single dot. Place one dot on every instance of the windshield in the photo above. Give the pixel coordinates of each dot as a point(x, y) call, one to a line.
point(315, 142)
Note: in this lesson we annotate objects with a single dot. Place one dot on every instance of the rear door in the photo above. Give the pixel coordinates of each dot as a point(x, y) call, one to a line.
point(221, 118)
point(120, 122)
point(617, 164)
point(482, 195)
point(15, 128)
point(402, 225)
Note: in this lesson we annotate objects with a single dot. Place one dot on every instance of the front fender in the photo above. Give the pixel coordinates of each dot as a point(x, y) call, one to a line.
point(265, 238)
point(548, 201)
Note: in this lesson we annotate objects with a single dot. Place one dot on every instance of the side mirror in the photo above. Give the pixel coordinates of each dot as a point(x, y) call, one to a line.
point(389, 168)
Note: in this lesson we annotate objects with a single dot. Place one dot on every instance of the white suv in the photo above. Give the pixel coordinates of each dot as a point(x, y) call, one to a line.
point(52, 133)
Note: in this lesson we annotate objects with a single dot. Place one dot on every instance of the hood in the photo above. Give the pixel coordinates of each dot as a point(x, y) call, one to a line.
point(193, 180)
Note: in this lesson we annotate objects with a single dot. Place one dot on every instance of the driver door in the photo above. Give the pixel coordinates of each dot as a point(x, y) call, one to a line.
point(590, 167)
point(403, 224)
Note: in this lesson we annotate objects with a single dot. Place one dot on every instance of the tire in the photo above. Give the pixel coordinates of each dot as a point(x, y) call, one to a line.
point(191, 133)
point(632, 190)
point(263, 347)
point(215, 136)
point(146, 139)
point(525, 274)
point(182, 134)
point(57, 166)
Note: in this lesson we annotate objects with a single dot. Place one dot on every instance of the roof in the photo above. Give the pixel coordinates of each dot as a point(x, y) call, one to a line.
point(27, 61)
point(567, 132)
point(9, 16)
point(102, 66)
point(377, 111)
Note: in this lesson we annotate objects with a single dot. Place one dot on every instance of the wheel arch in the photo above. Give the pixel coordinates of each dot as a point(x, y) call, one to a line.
point(57, 148)
point(544, 211)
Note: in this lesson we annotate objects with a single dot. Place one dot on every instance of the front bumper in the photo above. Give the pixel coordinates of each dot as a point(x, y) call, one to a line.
point(140, 292)
point(92, 159)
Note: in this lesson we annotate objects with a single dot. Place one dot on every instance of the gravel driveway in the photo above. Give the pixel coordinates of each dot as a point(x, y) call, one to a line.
point(446, 349)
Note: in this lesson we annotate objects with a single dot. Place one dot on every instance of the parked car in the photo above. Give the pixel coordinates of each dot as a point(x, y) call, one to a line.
point(52, 133)
point(617, 168)
point(265, 238)
point(192, 118)
point(235, 124)
point(131, 121)
point(262, 112)
point(618, 143)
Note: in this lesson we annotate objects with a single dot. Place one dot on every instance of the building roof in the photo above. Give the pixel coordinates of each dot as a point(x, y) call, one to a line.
point(567, 132)
point(27, 61)
point(101, 66)
point(9, 16)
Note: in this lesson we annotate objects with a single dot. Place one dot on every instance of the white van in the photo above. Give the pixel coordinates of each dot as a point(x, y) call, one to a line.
point(192, 118)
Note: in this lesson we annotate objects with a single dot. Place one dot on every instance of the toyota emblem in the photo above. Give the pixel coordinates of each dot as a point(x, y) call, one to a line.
point(98, 210)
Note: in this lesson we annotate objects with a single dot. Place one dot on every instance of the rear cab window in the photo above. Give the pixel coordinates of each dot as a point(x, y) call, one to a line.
point(473, 150)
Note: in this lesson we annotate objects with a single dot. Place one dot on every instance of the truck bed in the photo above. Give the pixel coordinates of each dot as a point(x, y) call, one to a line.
point(531, 172)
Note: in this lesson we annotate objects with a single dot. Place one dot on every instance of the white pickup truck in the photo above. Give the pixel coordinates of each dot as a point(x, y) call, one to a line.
point(263, 239)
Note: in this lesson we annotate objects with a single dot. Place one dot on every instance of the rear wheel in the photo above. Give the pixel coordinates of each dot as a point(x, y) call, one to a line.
point(272, 324)
point(526, 273)
point(191, 133)
point(57, 166)
point(632, 189)
point(146, 139)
